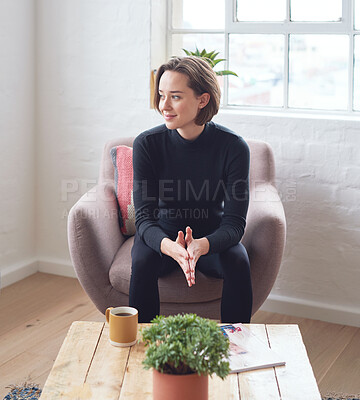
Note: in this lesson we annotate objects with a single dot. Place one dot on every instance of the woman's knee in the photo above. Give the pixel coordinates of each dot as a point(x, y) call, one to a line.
point(235, 257)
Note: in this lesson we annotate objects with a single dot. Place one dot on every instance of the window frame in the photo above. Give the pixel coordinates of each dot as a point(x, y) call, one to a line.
point(346, 26)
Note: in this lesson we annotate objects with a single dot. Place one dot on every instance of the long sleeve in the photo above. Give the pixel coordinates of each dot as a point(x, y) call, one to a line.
point(236, 200)
point(146, 197)
point(202, 184)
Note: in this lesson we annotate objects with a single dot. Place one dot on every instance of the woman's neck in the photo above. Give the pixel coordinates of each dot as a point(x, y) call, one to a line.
point(191, 134)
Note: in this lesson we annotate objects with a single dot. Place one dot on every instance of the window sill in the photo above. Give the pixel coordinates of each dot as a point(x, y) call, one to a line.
point(294, 114)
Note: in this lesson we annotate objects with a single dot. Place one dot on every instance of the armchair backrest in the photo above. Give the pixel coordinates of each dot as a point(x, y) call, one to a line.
point(262, 165)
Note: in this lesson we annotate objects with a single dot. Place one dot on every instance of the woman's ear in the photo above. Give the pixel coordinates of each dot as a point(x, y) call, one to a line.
point(204, 100)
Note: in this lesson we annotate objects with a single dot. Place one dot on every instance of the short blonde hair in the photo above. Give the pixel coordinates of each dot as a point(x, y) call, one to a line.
point(201, 79)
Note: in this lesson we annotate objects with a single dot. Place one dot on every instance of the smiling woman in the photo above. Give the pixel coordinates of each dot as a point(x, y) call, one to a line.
point(190, 149)
point(192, 94)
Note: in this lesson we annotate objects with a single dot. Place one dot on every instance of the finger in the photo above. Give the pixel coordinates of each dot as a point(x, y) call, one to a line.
point(184, 265)
point(192, 269)
point(180, 239)
point(190, 253)
point(192, 262)
point(188, 278)
point(188, 231)
point(192, 279)
point(188, 237)
point(191, 266)
point(188, 273)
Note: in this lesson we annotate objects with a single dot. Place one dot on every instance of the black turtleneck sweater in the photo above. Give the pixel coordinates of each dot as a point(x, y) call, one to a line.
point(201, 183)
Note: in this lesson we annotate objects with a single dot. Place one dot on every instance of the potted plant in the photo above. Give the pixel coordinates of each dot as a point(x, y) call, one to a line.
point(183, 351)
point(210, 57)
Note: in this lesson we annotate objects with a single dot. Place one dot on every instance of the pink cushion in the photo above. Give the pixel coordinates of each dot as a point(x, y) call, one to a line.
point(122, 160)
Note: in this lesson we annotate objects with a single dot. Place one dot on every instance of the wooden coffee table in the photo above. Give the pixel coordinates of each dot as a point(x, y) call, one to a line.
point(88, 367)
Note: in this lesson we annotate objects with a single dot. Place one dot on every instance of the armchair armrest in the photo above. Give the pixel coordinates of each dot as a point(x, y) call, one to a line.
point(94, 237)
point(264, 239)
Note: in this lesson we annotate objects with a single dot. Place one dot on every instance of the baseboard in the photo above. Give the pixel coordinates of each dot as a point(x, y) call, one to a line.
point(313, 310)
point(18, 271)
point(56, 267)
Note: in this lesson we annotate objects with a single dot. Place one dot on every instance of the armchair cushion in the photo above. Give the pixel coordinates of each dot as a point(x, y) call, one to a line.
point(123, 173)
point(172, 288)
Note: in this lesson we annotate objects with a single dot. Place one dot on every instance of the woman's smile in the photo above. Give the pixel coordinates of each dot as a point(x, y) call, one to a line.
point(168, 117)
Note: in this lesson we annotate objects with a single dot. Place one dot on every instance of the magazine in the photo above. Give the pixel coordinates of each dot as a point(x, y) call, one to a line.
point(247, 352)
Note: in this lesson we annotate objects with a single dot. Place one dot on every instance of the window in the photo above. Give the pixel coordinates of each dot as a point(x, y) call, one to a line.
point(288, 54)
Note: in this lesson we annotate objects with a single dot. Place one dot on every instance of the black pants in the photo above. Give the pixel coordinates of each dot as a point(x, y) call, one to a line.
point(232, 265)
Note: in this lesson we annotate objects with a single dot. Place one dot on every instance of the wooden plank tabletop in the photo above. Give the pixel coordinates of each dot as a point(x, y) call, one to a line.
point(89, 367)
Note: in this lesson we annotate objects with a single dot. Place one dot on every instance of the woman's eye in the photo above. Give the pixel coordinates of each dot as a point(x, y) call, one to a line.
point(176, 97)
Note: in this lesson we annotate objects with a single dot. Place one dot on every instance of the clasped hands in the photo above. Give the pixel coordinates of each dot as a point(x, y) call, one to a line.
point(186, 251)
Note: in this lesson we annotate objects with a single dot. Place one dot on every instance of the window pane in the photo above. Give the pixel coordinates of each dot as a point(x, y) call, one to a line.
point(357, 14)
point(357, 74)
point(198, 14)
point(316, 10)
point(258, 60)
point(318, 71)
point(191, 41)
point(260, 10)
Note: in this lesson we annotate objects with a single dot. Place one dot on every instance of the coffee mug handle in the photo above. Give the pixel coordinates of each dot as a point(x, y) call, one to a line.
point(107, 313)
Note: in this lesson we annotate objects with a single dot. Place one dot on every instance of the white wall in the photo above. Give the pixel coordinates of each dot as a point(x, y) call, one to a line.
point(93, 85)
point(318, 176)
point(17, 151)
point(93, 63)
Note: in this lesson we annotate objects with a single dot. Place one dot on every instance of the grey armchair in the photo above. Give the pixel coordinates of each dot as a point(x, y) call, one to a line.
point(101, 254)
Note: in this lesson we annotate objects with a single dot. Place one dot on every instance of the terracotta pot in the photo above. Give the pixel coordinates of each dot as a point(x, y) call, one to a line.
point(180, 387)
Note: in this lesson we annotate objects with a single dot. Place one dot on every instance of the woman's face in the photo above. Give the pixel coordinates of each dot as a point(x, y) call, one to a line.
point(179, 105)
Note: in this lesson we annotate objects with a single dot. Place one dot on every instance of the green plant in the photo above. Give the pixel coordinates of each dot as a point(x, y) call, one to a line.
point(211, 59)
point(184, 344)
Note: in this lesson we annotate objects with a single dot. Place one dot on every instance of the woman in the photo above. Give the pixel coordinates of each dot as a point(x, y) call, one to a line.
point(190, 194)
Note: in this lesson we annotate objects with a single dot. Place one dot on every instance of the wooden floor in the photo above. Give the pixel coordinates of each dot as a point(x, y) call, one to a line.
point(36, 313)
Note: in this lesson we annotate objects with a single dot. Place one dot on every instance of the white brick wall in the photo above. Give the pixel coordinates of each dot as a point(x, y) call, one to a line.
point(17, 157)
point(321, 261)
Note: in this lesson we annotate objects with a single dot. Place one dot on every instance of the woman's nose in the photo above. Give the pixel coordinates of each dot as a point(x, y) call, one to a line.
point(166, 104)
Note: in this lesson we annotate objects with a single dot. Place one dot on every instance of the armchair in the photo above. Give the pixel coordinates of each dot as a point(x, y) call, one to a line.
point(101, 254)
